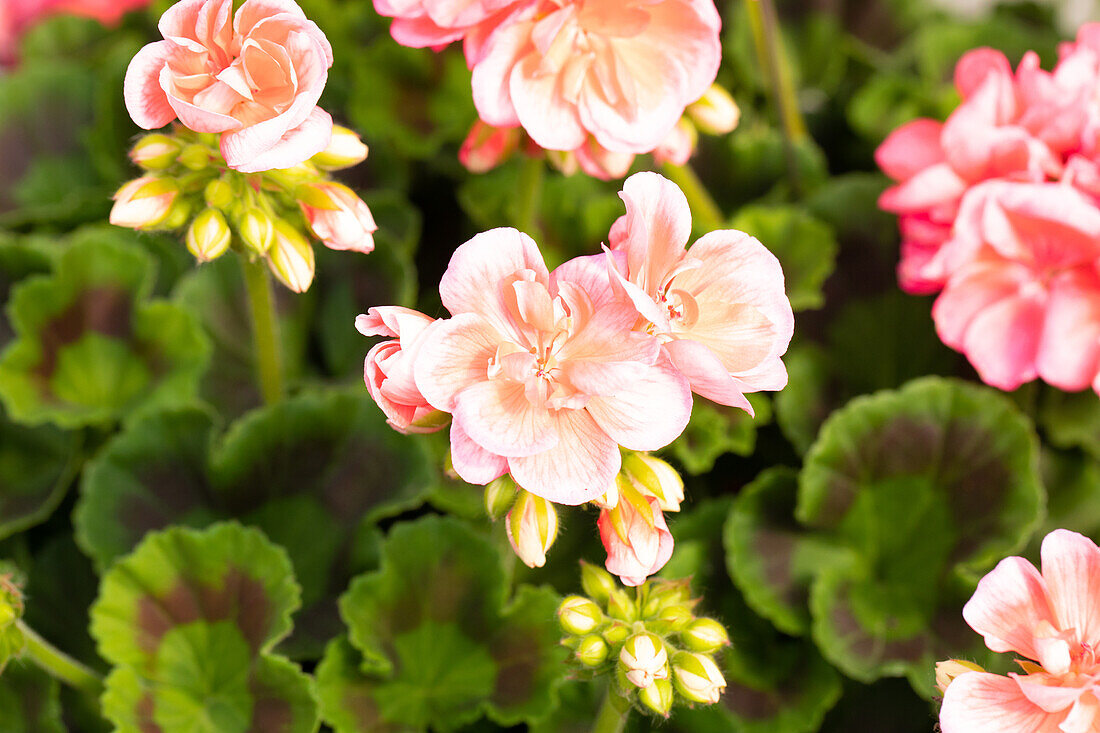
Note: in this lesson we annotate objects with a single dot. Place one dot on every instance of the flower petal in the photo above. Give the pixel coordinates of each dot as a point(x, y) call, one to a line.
point(295, 146)
point(145, 99)
point(977, 702)
point(579, 468)
point(471, 462)
point(455, 355)
point(1008, 607)
point(473, 282)
point(1071, 572)
point(497, 415)
point(646, 413)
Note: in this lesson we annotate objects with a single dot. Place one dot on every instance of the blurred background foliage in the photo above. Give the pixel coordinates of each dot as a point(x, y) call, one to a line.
point(836, 535)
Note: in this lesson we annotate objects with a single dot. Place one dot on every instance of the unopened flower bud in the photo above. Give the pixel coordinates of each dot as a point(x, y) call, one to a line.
point(337, 216)
point(592, 650)
point(219, 194)
point(704, 635)
point(658, 594)
point(643, 659)
point(11, 610)
point(209, 236)
point(486, 147)
point(675, 618)
point(657, 697)
point(344, 150)
point(155, 152)
point(564, 160)
point(621, 606)
point(291, 257)
point(178, 215)
point(715, 113)
point(616, 633)
point(597, 582)
point(697, 677)
point(532, 527)
point(257, 230)
point(500, 495)
point(144, 202)
point(679, 145)
point(195, 157)
point(653, 477)
point(947, 671)
point(578, 615)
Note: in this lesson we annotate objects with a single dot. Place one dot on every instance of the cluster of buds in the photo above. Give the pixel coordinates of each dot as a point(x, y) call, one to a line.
point(631, 521)
point(187, 185)
point(648, 639)
point(11, 610)
point(715, 113)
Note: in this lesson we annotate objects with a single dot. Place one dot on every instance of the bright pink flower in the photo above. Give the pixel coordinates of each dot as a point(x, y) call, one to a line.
point(636, 538)
point(338, 217)
point(620, 70)
point(719, 308)
point(1052, 618)
point(388, 369)
point(599, 162)
point(486, 147)
point(16, 16)
point(435, 23)
point(255, 78)
point(1023, 295)
point(543, 374)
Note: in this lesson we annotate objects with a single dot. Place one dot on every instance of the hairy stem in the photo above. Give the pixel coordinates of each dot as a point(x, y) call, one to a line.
point(613, 713)
point(265, 330)
point(532, 172)
point(58, 664)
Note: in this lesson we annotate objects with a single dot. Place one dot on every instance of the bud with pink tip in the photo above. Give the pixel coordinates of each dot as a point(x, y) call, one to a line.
point(155, 152)
point(657, 697)
point(144, 202)
point(643, 659)
point(635, 535)
point(486, 147)
point(697, 677)
point(337, 216)
point(532, 526)
point(679, 145)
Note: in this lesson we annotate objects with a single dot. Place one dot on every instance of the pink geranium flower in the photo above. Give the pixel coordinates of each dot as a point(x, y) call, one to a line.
point(16, 16)
point(388, 368)
point(1051, 618)
point(621, 71)
point(435, 23)
point(636, 538)
point(542, 373)
point(1023, 297)
point(719, 308)
point(255, 77)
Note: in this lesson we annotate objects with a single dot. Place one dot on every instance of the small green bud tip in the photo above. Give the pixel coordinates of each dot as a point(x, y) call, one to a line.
point(209, 236)
point(195, 157)
point(257, 230)
point(592, 651)
point(500, 495)
point(597, 582)
point(219, 194)
point(697, 678)
point(578, 615)
point(657, 697)
point(155, 152)
point(178, 214)
point(11, 610)
point(621, 606)
point(616, 633)
point(704, 635)
point(291, 257)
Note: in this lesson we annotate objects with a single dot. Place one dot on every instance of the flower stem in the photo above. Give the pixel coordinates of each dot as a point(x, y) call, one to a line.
point(265, 330)
point(704, 211)
point(58, 664)
point(531, 174)
point(613, 713)
point(774, 63)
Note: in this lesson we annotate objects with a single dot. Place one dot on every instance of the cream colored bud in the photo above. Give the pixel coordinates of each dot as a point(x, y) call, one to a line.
point(597, 582)
point(155, 152)
point(257, 230)
point(948, 671)
point(209, 236)
point(592, 651)
point(715, 113)
point(344, 150)
point(697, 677)
point(643, 659)
point(654, 477)
point(657, 697)
point(578, 615)
point(291, 257)
point(704, 635)
point(532, 527)
point(144, 202)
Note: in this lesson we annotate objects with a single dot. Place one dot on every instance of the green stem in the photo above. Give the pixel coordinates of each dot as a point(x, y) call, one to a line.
point(58, 664)
point(265, 330)
point(774, 63)
point(613, 713)
point(704, 211)
point(531, 174)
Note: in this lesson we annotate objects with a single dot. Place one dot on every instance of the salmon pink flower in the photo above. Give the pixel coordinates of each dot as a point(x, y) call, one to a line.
point(486, 147)
point(337, 216)
point(543, 373)
point(255, 78)
point(435, 23)
point(622, 71)
point(719, 308)
point(1050, 617)
point(636, 537)
point(388, 369)
point(1023, 296)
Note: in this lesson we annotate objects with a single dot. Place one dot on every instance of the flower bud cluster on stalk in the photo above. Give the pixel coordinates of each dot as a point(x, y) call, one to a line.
point(11, 610)
point(188, 186)
point(648, 639)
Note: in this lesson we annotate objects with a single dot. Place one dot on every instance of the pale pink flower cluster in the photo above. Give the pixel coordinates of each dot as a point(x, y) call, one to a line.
point(16, 16)
point(1053, 619)
point(547, 374)
point(254, 77)
point(602, 80)
point(999, 207)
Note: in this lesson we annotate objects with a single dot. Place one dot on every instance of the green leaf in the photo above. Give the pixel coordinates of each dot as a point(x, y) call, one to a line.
point(715, 430)
point(189, 620)
point(36, 467)
point(437, 646)
point(1071, 420)
point(90, 347)
point(929, 486)
point(802, 406)
point(805, 246)
point(29, 700)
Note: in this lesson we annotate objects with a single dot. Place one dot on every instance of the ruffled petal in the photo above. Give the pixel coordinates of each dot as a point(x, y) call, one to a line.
point(977, 702)
point(1071, 572)
point(1008, 606)
point(579, 468)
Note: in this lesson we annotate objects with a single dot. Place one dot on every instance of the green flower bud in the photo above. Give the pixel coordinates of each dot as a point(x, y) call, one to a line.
point(345, 150)
point(219, 194)
point(643, 659)
point(616, 633)
point(257, 230)
point(592, 651)
point(597, 582)
point(178, 214)
point(657, 697)
point(672, 619)
point(578, 615)
point(155, 152)
point(697, 678)
point(654, 477)
point(621, 606)
point(209, 236)
point(11, 610)
point(704, 635)
point(195, 157)
point(500, 495)
point(291, 257)
point(715, 113)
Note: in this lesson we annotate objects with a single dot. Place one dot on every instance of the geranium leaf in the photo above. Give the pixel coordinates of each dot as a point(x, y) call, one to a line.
point(715, 430)
point(29, 700)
